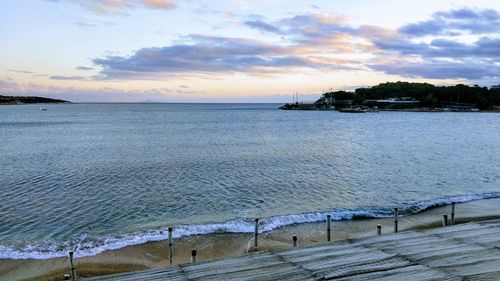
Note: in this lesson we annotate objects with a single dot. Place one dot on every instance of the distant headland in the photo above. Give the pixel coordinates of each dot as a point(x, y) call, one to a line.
point(28, 100)
point(405, 96)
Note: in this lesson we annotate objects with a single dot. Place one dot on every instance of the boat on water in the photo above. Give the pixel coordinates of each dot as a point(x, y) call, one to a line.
point(353, 110)
point(43, 109)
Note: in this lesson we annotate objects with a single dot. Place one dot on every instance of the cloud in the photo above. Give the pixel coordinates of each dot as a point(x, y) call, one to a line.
point(207, 55)
point(316, 31)
point(86, 25)
point(121, 6)
point(310, 27)
point(99, 94)
point(8, 86)
point(436, 48)
point(305, 27)
point(158, 4)
point(108, 94)
point(454, 22)
point(445, 56)
point(20, 71)
point(318, 41)
point(485, 47)
point(448, 41)
point(84, 68)
point(436, 69)
point(260, 25)
point(62, 77)
point(442, 59)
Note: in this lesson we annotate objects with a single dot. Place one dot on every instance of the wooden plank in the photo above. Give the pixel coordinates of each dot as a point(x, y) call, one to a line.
point(325, 255)
point(281, 271)
point(232, 262)
point(399, 243)
point(369, 266)
point(415, 254)
point(455, 228)
point(173, 272)
point(388, 237)
point(346, 261)
point(414, 272)
point(460, 258)
point(329, 247)
point(485, 231)
point(483, 268)
point(488, 276)
point(240, 267)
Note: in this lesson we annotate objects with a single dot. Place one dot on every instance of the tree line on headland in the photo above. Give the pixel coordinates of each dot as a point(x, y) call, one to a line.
point(427, 95)
point(28, 100)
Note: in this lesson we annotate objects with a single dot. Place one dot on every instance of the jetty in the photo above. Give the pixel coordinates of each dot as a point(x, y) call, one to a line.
point(468, 251)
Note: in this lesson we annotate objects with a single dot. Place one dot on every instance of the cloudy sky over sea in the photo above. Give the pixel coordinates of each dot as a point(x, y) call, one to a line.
point(239, 50)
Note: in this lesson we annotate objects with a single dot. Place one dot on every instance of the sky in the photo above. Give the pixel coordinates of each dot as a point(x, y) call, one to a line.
point(241, 50)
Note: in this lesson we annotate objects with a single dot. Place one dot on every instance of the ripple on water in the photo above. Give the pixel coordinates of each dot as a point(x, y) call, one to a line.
point(104, 176)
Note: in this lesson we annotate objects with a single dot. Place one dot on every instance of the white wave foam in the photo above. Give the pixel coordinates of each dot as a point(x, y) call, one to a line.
point(89, 246)
point(426, 204)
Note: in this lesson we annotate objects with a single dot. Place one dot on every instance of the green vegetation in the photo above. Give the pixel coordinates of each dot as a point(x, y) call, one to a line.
point(429, 95)
point(26, 100)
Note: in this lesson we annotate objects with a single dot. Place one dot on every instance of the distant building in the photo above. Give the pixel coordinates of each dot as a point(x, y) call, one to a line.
point(343, 103)
point(393, 103)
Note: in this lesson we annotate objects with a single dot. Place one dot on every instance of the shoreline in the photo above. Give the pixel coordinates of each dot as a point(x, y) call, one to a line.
point(51, 249)
point(422, 110)
point(221, 245)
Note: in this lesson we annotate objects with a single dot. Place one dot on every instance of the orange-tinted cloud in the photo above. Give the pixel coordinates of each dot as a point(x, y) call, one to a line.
point(158, 4)
point(120, 6)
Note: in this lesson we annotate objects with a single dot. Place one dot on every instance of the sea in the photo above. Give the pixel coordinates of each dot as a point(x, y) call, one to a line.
point(97, 177)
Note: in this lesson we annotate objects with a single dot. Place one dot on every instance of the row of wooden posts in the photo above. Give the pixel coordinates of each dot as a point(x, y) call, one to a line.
point(445, 222)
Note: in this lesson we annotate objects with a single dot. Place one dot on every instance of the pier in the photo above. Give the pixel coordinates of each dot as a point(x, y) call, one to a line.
point(461, 252)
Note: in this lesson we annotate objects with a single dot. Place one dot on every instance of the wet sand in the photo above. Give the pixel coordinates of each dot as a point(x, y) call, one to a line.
point(213, 246)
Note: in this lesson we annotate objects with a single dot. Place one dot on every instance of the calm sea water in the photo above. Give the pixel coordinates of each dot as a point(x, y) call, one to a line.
point(103, 176)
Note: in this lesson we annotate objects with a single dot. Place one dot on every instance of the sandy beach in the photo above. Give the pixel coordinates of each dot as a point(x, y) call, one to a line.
point(214, 246)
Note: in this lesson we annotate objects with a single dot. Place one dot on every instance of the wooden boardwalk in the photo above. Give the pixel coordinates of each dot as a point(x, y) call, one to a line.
point(463, 252)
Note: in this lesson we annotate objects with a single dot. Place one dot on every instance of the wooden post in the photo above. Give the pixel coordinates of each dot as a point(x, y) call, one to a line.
point(256, 243)
point(328, 224)
point(170, 250)
point(193, 255)
point(73, 269)
point(294, 239)
point(379, 229)
point(395, 220)
point(452, 213)
point(445, 220)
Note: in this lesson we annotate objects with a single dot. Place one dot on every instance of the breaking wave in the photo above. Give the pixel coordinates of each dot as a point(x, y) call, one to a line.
point(86, 245)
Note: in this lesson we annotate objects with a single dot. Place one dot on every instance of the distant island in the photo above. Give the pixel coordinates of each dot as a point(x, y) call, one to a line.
point(28, 100)
point(406, 96)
